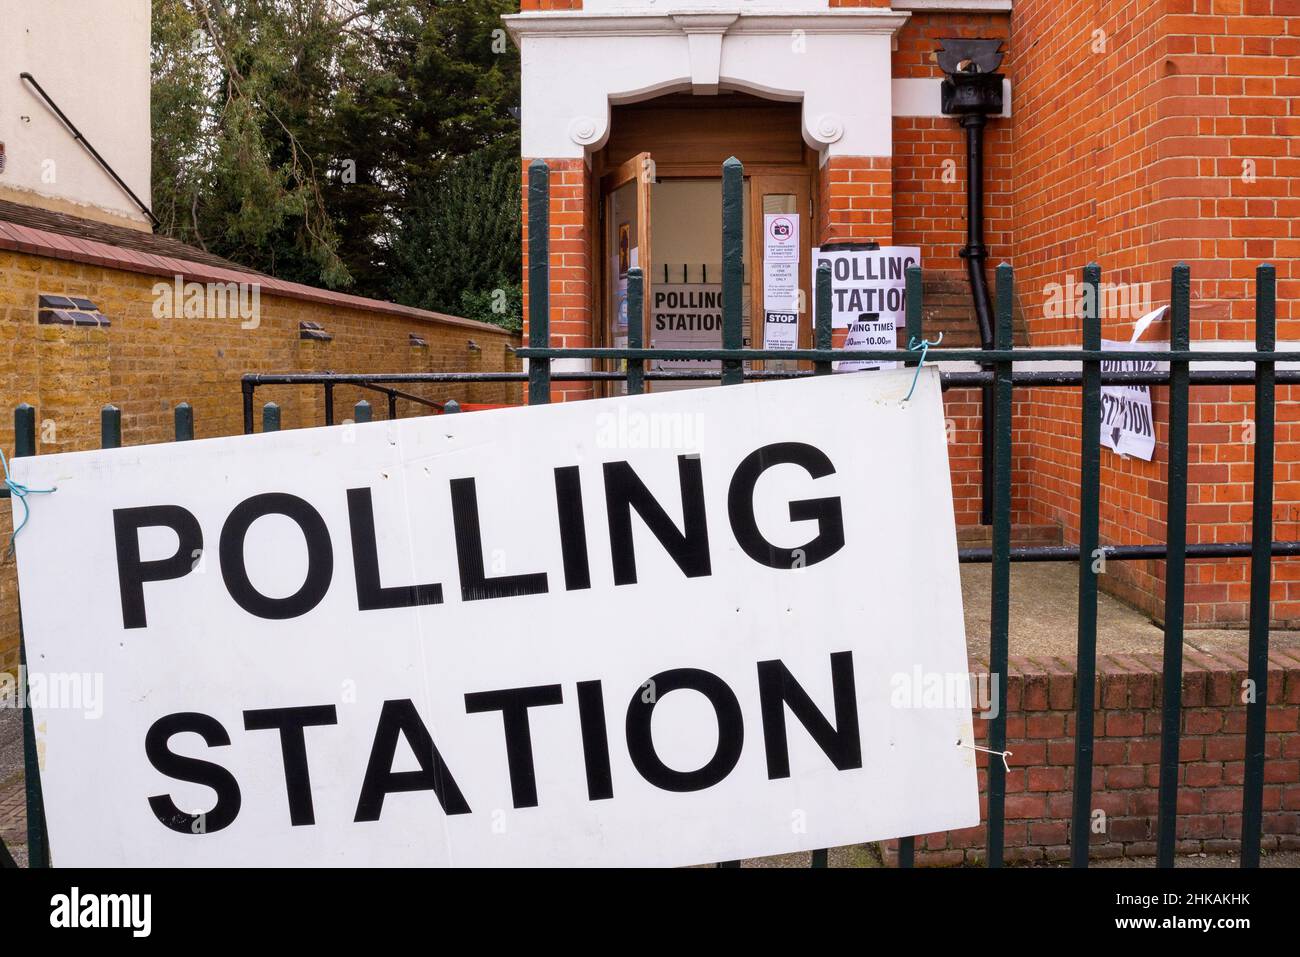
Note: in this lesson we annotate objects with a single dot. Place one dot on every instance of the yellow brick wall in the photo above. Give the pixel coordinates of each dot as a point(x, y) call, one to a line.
point(145, 366)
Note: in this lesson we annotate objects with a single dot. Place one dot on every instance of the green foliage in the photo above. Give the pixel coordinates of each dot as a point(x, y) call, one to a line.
point(503, 306)
point(235, 177)
point(457, 248)
point(303, 137)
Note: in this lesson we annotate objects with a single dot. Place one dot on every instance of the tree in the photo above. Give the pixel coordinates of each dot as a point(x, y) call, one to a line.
point(297, 136)
point(236, 178)
point(457, 248)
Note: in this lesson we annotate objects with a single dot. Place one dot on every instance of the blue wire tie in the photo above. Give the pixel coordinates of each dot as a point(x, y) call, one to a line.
point(924, 345)
point(20, 492)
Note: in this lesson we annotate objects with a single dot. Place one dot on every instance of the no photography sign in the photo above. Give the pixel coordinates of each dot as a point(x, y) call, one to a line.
point(653, 630)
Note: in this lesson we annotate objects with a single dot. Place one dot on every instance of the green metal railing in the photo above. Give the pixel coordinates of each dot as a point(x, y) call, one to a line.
point(997, 371)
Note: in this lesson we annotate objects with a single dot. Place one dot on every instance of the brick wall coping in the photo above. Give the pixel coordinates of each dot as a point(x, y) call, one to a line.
point(20, 238)
point(1046, 683)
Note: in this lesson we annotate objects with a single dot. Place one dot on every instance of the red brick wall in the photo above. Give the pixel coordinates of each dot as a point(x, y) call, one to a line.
point(1040, 698)
point(1132, 126)
point(1228, 128)
point(929, 210)
point(571, 245)
point(854, 200)
point(929, 168)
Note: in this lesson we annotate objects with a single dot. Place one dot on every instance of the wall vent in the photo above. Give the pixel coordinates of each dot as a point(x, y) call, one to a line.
point(69, 311)
point(313, 331)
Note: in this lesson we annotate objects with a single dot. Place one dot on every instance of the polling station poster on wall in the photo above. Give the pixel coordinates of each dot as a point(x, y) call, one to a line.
point(867, 293)
point(1127, 419)
point(442, 640)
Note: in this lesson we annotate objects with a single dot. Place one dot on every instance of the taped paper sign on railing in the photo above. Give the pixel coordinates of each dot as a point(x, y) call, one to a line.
point(867, 297)
point(1127, 420)
point(559, 635)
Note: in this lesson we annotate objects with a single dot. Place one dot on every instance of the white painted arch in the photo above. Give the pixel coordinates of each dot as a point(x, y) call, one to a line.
point(836, 62)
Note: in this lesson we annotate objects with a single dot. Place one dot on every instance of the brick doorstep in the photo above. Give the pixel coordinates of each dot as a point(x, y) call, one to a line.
point(1039, 698)
point(1137, 672)
point(981, 536)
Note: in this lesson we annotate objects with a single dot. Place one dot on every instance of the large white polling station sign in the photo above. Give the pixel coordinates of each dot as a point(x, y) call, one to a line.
point(660, 630)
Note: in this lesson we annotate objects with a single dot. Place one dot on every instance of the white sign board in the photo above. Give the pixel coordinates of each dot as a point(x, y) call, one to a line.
point(868, 283)
point(1127, 419)
point(443, 640)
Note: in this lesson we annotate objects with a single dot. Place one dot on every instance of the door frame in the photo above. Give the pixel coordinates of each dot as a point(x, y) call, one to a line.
point(805, 174)
point(634, 170)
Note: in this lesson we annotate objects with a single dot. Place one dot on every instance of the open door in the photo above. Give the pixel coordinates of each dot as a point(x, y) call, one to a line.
point(625, 208)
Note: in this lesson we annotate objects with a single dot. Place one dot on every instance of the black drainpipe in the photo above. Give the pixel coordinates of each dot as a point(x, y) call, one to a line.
point(972, 91)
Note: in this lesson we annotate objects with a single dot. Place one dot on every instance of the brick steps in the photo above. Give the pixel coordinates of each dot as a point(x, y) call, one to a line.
point(981, 536)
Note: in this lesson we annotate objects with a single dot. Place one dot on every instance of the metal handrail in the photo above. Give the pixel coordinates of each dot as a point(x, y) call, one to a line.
point(80, 138)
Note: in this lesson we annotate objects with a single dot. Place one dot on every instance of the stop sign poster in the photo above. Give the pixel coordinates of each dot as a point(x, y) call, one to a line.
point(654, 630)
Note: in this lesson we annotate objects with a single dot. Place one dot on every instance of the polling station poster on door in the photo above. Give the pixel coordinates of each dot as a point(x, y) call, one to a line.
point(432, 641)
point(867, 297)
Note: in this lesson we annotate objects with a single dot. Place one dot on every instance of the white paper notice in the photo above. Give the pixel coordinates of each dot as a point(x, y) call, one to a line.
point(781, 330)
point(781, 244)
point(781, 262)
point(1127, 420)
point(867, 292)
point(869, 333)
point(781, 286)
point(685, 316)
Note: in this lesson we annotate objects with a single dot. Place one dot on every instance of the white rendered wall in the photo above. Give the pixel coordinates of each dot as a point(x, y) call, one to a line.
point(677, 6)
point(92, 57)
point(576, 64)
